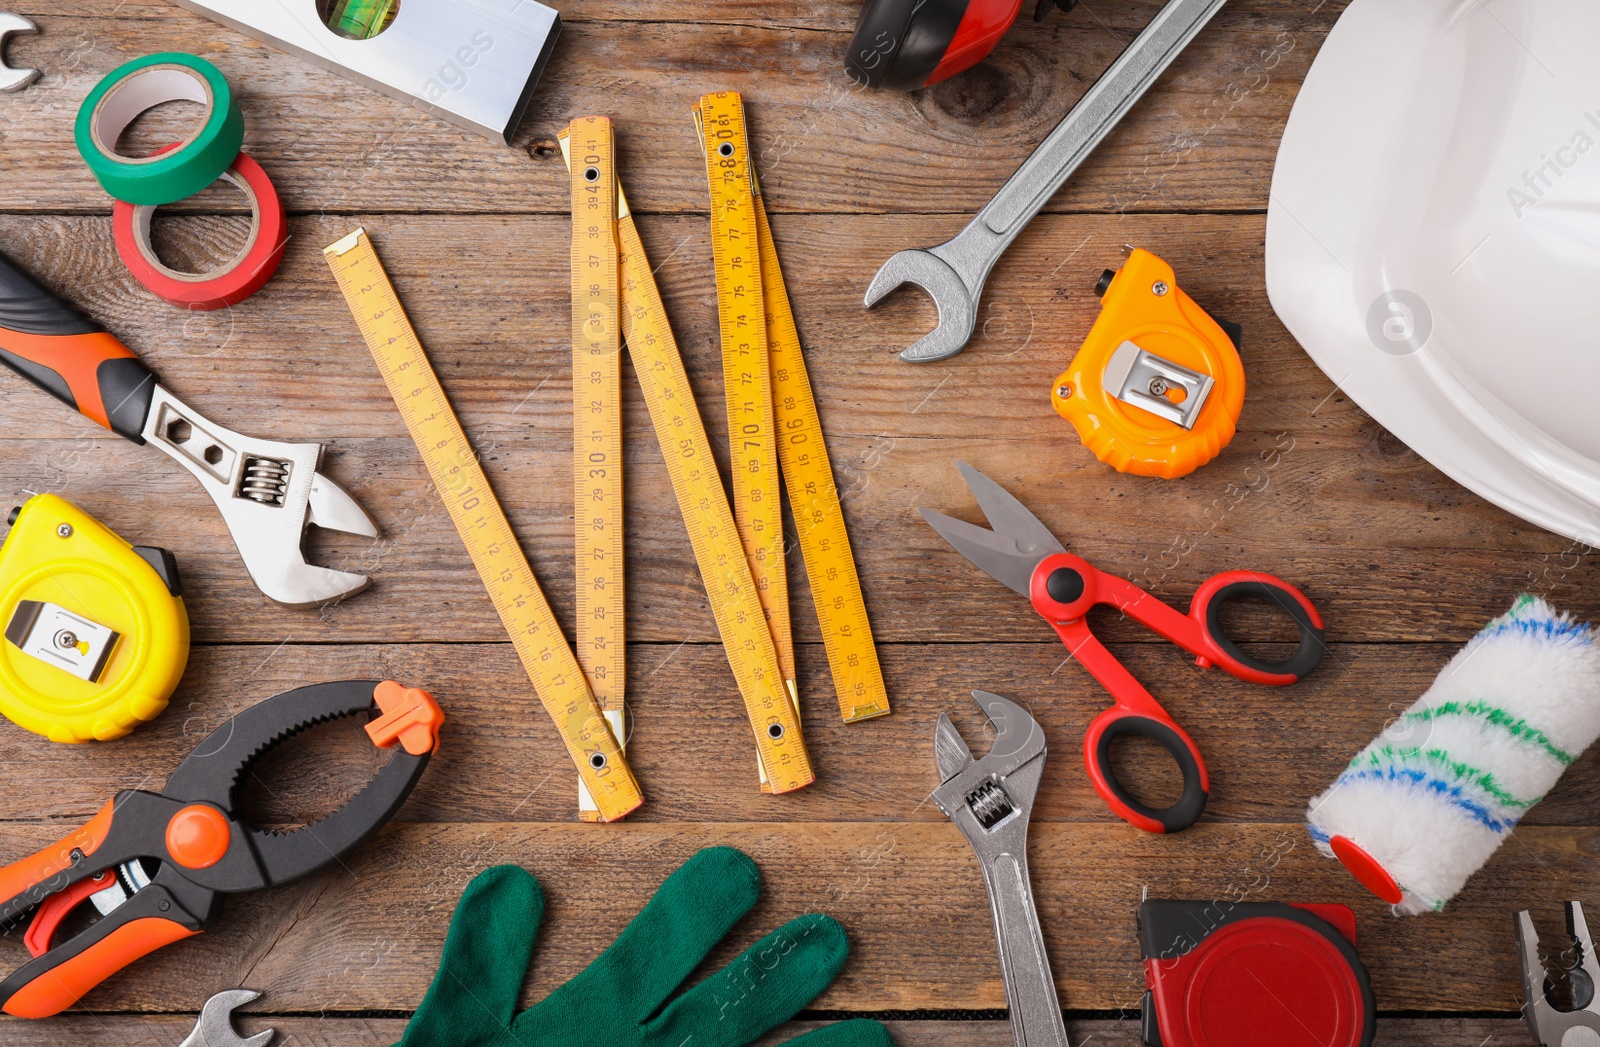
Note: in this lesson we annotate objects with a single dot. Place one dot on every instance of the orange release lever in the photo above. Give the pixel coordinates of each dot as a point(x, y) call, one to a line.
point(410, 717)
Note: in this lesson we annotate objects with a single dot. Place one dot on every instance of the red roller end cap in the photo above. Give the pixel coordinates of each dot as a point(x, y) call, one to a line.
point(1365, 867)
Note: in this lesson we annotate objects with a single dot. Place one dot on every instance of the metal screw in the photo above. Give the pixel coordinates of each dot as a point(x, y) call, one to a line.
point(66, 639)
point(1160, 288)
point(1159, 386)
point(1064, 391)
point(65, 530)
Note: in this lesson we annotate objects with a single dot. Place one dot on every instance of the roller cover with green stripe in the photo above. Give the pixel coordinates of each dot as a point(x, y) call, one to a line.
point(69, 356)
point(1438, 791)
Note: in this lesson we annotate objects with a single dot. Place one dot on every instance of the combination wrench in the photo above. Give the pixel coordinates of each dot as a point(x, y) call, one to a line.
point(953, 273)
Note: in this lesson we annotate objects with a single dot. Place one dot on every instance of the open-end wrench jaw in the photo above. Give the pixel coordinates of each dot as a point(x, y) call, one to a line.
point(1551, 1026)
point(957, 305)
point(12, 79)
point(215, 1027)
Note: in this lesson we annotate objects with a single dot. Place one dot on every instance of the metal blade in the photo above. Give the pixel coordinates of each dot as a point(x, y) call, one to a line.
point(333, 509)
point(995, 553)
point(1009, 516)
point(1016, 732)
point(950, 750)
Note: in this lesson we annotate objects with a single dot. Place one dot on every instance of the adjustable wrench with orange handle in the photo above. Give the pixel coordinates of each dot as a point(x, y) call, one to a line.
point(268, 491)
point(71, 357)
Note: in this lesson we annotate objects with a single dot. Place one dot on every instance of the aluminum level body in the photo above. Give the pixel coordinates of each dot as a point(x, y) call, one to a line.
point(472, 62)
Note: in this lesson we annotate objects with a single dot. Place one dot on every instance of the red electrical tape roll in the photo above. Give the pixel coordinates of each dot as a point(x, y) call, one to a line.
point(236, 280)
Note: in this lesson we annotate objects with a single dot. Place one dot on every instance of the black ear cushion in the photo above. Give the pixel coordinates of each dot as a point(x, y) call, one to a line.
point(899, 43)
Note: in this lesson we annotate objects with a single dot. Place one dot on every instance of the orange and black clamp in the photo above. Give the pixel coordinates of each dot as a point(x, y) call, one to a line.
point(1157, 387)
point(156, 865)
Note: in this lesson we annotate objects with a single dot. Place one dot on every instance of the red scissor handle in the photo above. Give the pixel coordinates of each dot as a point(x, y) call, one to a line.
point(1138, 714)
point(1065, 587)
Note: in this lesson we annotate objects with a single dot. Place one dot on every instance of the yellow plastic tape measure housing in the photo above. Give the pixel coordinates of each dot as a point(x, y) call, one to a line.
point(1157, 387)
point(96, 635)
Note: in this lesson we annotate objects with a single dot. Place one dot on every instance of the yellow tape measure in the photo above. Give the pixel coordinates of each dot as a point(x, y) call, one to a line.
point(597, 429)
point(713, 534)
point(771, 408)
point(482, 524)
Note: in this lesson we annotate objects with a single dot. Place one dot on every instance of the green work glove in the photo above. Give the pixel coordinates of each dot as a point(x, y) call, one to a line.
point(622, 999)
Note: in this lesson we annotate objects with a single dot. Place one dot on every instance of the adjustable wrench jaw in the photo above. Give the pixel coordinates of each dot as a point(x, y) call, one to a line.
point(1551, 1026)
point(268, 493)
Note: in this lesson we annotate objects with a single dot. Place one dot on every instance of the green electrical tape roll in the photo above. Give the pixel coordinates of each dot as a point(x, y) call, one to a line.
point(140, 85)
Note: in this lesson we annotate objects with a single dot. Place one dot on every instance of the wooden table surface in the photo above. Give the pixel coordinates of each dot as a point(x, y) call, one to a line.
point(1404, 564)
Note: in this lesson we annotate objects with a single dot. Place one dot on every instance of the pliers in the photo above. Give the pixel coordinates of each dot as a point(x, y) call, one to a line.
point(155, 865)
point(268, 491)
point(1553, 1027)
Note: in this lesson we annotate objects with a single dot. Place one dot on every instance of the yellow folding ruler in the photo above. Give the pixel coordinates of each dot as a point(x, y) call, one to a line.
point(686, 449)
point(772, 417)
point(597, 429)
point(476, 513)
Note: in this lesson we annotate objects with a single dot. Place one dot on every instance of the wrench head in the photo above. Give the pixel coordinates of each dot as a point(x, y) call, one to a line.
point(215, 1027)
point(958, 306)
point(268, 492)
point(14, 79)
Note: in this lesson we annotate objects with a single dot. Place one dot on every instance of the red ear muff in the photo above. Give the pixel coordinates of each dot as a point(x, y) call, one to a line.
point(903, 45)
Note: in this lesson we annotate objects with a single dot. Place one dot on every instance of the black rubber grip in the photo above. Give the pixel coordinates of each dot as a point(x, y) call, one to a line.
point(28, 308)
point(127, 388)
point(1190, 805)
point(1312, 647)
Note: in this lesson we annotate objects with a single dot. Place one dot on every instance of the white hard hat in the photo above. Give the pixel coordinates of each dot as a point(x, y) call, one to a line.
point(1433, 239)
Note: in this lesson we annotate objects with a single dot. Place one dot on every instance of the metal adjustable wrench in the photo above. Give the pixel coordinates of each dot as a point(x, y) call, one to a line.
point(954, 272)
point(215, 1027)
point(991, 800)
point(268, 491)
point(1553, 1027)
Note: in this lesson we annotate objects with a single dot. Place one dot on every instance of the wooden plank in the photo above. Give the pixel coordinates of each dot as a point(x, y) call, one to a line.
point(166, 1030)
point(1312, 489)
point(366, 937)
point(1205, 138)
point(1269, 750)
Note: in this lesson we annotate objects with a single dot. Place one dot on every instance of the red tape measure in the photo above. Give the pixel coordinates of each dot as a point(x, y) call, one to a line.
point(1257, 974)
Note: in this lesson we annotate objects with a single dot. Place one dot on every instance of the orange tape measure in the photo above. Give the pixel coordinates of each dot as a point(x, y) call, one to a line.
point(1157, 387)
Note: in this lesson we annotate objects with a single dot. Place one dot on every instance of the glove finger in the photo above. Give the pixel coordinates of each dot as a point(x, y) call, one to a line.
point(766, 986)
point(693, 911)
point(857, 1033)
point(479, 983)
